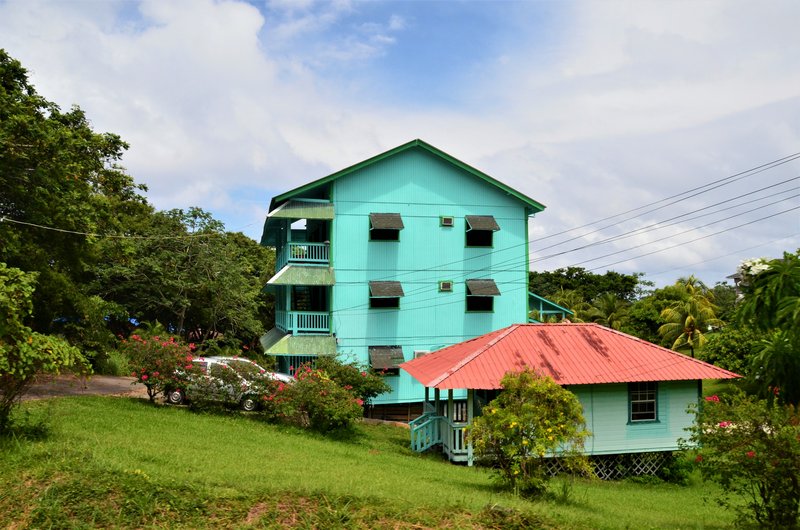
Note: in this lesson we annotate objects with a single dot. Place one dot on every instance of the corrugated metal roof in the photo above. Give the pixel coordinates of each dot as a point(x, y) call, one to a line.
point(482, 288)
point(389, 289)
point(386, 221)
point(482, 222)
point(572, 354)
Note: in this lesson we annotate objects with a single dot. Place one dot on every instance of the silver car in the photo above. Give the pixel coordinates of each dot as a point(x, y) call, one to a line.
point(224, 379)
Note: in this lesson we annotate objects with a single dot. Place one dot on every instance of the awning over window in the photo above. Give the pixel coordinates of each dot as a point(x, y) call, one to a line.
point(385, 221)
point(385, 357)
point(482, 222)
point(300, 209)
point(385, 289)
point(482, 288)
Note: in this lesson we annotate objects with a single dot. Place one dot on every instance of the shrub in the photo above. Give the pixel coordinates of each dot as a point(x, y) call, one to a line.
point(751, 448)
point(533, 418)
point(159, 363)
point(316, 400)
point(362, 382)
point(23, 352)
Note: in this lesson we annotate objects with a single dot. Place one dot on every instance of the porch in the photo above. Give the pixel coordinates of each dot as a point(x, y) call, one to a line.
point(445, 423)
point(303, 322)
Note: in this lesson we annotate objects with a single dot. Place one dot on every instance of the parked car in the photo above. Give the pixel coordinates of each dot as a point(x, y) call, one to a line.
point(224, 379)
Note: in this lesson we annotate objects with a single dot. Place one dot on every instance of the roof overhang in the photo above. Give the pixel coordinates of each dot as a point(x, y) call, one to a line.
point(276, 342)
point(303, 275)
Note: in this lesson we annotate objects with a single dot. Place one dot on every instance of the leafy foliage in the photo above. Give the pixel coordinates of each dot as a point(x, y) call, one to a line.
point(361, 381)
point(532, 418)
point(688, 319)
point(752, 449)
point(23, 352)
point(159, 362)
point(588, 285)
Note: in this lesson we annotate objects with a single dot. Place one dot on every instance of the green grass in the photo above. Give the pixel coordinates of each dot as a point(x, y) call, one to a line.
point(113, 462)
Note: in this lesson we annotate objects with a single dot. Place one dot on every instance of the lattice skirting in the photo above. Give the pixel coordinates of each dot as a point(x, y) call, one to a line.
point(613, 467)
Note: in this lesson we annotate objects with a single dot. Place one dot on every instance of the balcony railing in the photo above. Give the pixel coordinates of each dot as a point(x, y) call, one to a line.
point(302, 322)
point(303, 253)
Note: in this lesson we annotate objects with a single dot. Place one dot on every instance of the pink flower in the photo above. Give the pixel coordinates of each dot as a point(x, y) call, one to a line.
point(750, 454)
point(155, 374)
point(291, 368)
point(363, 374)
point(192, 346)
point(133, 374)
point(360, 402)
point(712, 398)
point(724, 424)
point(189, 357)
point(144, 377)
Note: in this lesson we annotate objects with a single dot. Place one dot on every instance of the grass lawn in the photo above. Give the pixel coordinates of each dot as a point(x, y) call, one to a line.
point(118, 462)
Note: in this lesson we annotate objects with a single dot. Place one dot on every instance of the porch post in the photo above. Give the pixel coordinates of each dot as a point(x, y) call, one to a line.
point(436, 403)
point(426, 400)
point(450, 410)
point(470, 414)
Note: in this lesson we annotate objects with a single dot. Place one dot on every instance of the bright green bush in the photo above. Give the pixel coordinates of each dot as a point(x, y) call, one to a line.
point(23, 352)
point(752, 449)
point(533, 418)
point(361, 381)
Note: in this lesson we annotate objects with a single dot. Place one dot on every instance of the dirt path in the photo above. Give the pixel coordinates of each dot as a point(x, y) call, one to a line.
point(96, 385)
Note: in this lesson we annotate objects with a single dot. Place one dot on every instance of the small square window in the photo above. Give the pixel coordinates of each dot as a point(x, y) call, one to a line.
point(446, 286)
point(643, 399)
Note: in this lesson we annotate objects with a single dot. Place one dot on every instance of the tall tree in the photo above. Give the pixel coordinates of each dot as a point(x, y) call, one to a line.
point(608, 310)
point(589, 285)
point(691, 317)
point(57, 173)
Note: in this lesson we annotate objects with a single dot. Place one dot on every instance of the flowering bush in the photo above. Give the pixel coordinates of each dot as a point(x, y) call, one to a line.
point(159, 363)
point(362, 382)
point(752, 449)
point(316, 400)
point(531, 419)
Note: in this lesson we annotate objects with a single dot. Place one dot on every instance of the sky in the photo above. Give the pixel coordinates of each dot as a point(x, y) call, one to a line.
point(635, 122)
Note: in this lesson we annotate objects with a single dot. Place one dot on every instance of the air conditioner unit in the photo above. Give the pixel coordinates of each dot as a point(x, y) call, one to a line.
point(420, 353)
point(447, 221)
point(446, 286)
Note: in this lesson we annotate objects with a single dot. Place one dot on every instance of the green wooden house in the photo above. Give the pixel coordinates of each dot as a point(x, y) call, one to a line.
point(399, 255)
point(634, 394)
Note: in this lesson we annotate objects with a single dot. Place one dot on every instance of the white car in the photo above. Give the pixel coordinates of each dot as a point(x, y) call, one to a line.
point(225, 379)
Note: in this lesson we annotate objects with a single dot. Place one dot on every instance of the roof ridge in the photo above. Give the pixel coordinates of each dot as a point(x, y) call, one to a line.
point(469, 358)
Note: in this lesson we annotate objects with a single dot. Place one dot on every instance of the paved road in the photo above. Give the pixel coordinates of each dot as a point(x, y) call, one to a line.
point(97, 385)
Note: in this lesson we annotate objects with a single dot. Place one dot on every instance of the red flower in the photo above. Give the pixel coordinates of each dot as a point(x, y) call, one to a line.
point(360, 402)
point(750, 454)
point(363, 374)
point(144, 377)
point(724, 424)
point(698, 458)
point(155, 374)
point(712, 398)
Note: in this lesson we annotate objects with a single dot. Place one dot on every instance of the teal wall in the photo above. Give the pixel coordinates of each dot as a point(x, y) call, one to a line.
point(606, 412)
point(421, 187)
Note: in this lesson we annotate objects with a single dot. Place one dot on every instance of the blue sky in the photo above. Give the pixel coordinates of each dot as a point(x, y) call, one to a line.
point(590, 107)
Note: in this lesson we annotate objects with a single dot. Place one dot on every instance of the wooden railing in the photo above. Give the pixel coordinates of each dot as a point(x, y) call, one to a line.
point(302, 322)
point(425, 432)
point(429, 430)
point(308, 253)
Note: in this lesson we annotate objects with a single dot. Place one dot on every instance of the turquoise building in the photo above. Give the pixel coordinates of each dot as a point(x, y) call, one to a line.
point(402, 254)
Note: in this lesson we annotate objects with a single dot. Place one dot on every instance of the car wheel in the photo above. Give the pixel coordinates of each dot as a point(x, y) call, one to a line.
point(248, 404)
point(175, 397)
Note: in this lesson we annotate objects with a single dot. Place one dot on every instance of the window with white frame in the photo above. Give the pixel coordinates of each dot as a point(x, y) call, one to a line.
point(643, 402)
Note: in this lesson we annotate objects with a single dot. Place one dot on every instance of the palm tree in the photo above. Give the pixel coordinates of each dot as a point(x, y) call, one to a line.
point(608, 310)
point(687, 320)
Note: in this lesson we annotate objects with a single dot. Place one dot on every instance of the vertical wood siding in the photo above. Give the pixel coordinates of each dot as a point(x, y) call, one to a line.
point(606, 412)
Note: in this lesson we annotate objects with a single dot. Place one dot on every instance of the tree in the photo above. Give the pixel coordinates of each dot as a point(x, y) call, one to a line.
point(57, 172)
point(771, 307)
point(533, 418)
point(688, 319)
point(589, 285)
point(23, 352)
point(608, 310)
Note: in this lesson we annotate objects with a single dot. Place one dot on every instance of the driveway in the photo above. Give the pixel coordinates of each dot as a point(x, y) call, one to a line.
point(96, 385)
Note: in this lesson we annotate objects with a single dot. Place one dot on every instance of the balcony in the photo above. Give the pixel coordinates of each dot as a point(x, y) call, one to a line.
point(303, 254)
point(302, 322)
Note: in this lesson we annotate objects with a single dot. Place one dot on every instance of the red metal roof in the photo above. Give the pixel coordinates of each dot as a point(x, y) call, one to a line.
point(572, 354)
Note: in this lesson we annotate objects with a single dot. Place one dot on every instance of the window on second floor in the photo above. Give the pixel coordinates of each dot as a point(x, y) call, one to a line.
point(480, 295)
point(480, 230)
point(385, 226)
point(385, 295)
